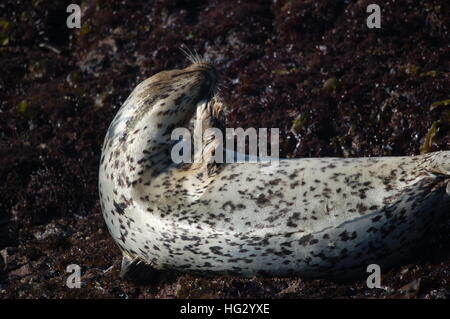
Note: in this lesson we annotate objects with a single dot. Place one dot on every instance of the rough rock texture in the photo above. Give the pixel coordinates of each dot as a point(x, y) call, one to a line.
point(311, 68)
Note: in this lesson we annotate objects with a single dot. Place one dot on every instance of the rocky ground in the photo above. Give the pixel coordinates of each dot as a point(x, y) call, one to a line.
point(311, 68)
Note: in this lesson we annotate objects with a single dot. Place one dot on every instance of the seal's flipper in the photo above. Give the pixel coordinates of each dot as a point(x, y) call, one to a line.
point(210, 120)
point(440, 164)
point(133, 269)
point(127, 265)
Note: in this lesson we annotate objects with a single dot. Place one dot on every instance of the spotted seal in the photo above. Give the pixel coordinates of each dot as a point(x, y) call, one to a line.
point(315, 217)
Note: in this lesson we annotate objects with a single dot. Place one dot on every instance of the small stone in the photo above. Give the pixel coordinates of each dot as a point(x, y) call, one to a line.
point(23, 271)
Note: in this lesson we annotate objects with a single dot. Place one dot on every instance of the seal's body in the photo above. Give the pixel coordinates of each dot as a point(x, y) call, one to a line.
point(316, 217)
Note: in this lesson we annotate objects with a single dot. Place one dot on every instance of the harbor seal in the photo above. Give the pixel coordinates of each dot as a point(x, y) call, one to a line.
point(314, 217)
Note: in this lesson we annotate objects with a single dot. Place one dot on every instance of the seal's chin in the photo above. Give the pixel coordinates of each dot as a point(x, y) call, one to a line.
point(210, 89)
point(207, 94)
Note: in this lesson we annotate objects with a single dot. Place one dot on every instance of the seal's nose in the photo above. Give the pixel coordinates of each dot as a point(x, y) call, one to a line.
point(209, 71)
point(207, 67)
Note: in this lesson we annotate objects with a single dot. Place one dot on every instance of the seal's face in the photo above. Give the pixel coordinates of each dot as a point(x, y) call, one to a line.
point(194, 84)
point(169, 98)
point(180, 91)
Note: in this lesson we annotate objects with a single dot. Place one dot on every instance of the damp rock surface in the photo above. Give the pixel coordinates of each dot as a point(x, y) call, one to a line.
point(311, 68)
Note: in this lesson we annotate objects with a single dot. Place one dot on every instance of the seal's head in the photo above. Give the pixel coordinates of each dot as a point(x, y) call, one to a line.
point(196, 82)
point(171, 97)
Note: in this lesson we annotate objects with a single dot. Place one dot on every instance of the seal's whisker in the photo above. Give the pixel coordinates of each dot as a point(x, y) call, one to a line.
point(196, 56)
point(183, 50)
point(189, 55)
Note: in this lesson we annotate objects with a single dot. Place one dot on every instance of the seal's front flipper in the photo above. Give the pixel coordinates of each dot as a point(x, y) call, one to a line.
point(133, 269)
point(141, 273)
point(127, 265)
